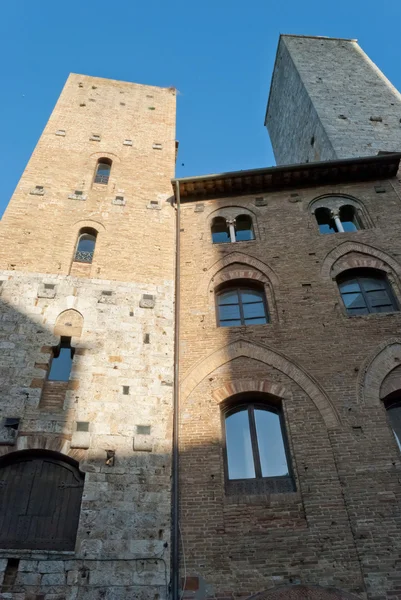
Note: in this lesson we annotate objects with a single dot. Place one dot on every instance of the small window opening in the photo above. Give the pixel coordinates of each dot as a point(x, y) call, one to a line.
point(10, 574)
point(243, 228)
point(349, 219)
point(220, 231)
point(103, 171)
point(325, 221)
point(61, 365)
point(125, 390)
point(86, 246)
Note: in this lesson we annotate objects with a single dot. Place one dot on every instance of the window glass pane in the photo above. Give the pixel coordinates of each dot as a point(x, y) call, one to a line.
point(255, 321)
point(235, 323)
point(229, 312)
point(327, 228)
point(230, 297)
point(254, 310)
point(349, 286)
point(103, 169)
point(371, 283)
point(394, 415)
point(270, 443)
point(86, 243)
point(250, 296)
point(358, 311)
point(61, 366)
point(220, 233)
point(354, 300)
point(379, 297)
point(239, 447)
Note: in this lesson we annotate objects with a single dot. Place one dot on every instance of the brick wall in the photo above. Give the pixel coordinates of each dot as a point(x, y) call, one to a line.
point(340, 527)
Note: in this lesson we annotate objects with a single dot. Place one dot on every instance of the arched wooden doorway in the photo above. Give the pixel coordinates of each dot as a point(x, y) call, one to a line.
point(40, 500)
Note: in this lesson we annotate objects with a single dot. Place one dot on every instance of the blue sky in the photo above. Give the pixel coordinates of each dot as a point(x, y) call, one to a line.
point(219, 54)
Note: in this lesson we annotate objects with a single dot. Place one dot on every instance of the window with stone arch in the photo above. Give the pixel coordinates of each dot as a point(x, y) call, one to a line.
point(365, 291)
point(40, 501)
point(255, 446)
point(232, 229)
point(339, 214)
point(86, 244)
point(103, 169)
point(241, 303)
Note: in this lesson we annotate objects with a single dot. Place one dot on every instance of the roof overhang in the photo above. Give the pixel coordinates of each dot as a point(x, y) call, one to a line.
point(260, 181)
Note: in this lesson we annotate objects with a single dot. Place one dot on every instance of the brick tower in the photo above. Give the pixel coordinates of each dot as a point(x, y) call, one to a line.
point(328, 100)
point(87, 259)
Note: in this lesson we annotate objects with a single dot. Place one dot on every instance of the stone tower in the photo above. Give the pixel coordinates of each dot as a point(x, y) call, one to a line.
point(86, 338)
point(328, 100)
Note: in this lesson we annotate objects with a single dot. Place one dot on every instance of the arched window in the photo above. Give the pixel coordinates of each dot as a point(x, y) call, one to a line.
point(86, 245)
point(103, 169)
point(255, 444)
point(393, 407)
point(40, 501)
point(241, 305)
point(61, 365)
point(325, 220)
point(337, 217)
point(220, 231)
point(226, 230)
point(243, 228)
point(366, 291)
point(349, 219)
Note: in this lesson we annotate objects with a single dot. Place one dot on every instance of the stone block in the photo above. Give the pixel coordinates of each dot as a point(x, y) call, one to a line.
point(147, 301)
point(80, 439)
point(143, 443)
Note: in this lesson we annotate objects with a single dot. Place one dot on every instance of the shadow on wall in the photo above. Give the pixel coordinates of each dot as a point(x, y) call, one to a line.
point(52, 455)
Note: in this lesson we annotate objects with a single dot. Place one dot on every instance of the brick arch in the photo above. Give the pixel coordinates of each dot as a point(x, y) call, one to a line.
point(270, 357)
point(376, 368)
point(247, 262)
point(111, 155)
point(40, 441)
point(391, 383)
point(350, 255)
point(230, 211)
point(303, 592)
point(240, 386)
point(91, 223)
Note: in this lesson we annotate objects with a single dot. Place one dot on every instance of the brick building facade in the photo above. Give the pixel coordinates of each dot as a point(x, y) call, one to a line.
point(287, 346)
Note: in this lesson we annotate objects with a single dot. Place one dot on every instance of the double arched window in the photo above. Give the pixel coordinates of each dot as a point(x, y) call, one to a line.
point(365, 291)
point(239, 229)
point(337, 214)
point(103, 169)
point(86, 245)
point(255, 445)
point(241, 304)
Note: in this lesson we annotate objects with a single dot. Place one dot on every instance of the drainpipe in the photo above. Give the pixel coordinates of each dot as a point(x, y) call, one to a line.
point(175, 473)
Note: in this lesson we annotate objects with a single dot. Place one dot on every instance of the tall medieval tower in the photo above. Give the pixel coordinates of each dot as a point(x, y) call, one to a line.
point(87, 292)
point(328, 100)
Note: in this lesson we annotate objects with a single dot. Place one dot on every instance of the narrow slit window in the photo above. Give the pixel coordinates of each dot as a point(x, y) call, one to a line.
point(61, 364)
point(103, 171)
point(86, 246)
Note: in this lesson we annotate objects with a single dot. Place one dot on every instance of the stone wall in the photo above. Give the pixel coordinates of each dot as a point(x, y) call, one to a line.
point(123, 540)
point(340, 527)
point(328, 100)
